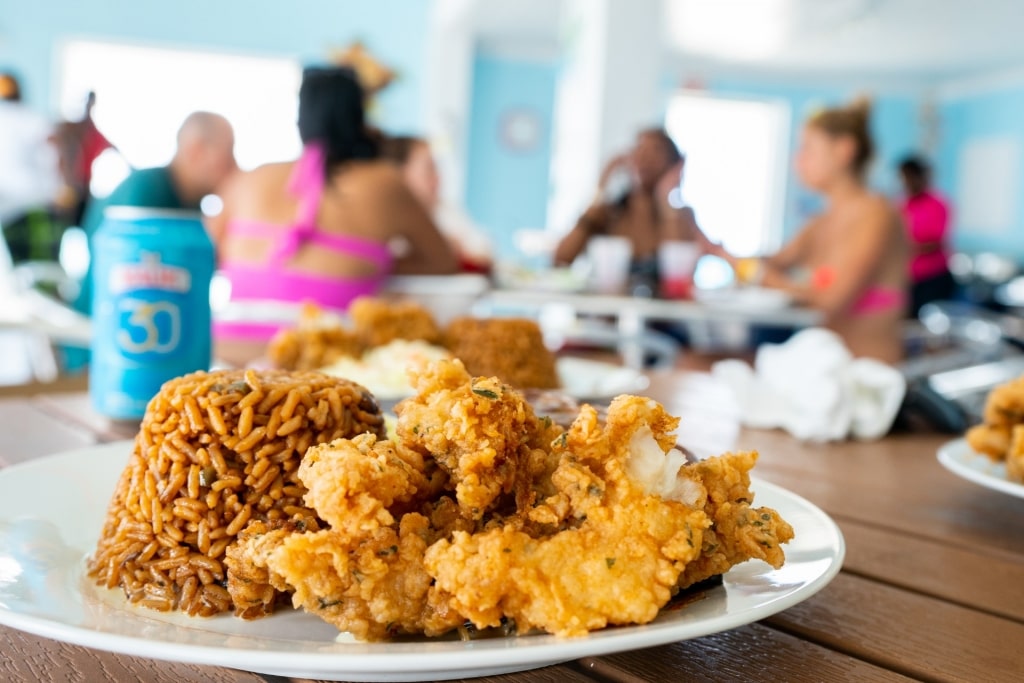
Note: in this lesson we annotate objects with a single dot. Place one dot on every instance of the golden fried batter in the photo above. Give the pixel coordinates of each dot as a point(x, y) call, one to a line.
point(480, 431)
point(1000, 436)
point(380, 321)
point(317, 340)
point(738, 531)
point(565, 531)
point(511, 349)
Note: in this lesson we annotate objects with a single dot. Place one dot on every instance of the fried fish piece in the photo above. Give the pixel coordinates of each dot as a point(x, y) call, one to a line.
point(623, 532)
point(379, 321)
point(511, 349)
point(480, 431)
point(739, 531)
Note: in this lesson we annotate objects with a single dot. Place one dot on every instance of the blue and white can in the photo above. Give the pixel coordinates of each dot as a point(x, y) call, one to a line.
point(151, 305)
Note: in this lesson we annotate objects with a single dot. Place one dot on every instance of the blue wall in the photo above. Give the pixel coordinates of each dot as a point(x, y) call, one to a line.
point(895, 122)
point(507, 189)
point(394, 31)
point(966, 119)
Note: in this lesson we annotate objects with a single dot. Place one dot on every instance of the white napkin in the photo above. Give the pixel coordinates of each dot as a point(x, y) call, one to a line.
point(812, 387)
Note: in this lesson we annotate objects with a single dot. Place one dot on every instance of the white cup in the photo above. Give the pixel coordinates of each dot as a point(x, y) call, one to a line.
point(609, 262)
point(676, 262)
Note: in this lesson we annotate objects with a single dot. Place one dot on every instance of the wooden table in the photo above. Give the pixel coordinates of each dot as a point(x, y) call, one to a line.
point(932, 588)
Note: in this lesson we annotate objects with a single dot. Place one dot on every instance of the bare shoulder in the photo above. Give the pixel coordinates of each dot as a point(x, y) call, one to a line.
point(878, 207)
point(262, 177)
point(379, 176)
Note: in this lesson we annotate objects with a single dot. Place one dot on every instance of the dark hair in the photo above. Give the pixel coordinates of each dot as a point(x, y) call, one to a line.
point(398, 148)
point(10, 89)
point(331, 113)
point(852, 121)
point(668, 145)
point(915, 166)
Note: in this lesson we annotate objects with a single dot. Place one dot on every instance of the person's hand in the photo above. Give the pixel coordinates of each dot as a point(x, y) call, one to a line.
point(669, 180)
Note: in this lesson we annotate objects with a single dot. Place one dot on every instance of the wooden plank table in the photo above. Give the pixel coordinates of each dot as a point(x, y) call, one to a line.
point(932, 588)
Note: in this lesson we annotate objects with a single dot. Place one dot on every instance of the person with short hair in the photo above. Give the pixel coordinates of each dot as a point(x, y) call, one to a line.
point(203, 161)
point(926, 214)
point(849, 262)
point(634, 200)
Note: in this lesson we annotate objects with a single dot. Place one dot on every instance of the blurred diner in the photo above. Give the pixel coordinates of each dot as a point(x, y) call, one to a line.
point(202, 162)
point(79, 142)
point(327, 227)
point(850, 261)
point(637, 198)
point(926, 215)
point(414, 158)
point(29, 179)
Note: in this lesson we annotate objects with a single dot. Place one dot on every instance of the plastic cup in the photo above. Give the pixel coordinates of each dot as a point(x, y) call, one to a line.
point(676, 262)
point(610, 257)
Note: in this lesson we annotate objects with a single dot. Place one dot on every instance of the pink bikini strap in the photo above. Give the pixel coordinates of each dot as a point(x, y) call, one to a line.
point(307, 183)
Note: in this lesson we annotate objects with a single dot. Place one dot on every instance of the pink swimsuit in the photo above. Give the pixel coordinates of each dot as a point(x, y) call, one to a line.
point(275, 281)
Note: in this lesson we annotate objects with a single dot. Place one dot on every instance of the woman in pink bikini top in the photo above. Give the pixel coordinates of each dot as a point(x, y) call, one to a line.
point(850, 262)
point(327, 228)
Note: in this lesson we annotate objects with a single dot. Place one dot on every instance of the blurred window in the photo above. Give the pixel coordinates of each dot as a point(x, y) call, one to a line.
point(144, 93)
point(736, 167)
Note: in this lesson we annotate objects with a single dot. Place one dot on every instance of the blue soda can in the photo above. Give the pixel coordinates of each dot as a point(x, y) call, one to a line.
point(151, 305)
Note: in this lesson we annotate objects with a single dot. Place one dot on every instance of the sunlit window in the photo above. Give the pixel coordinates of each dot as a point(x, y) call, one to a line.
point(144, 93)
point(736, 167)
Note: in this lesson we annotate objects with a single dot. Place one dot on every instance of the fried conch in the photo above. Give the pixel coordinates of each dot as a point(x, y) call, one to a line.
point(482, 512)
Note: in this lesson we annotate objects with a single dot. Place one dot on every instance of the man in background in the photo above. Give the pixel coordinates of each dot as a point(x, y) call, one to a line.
point(203, 161)
point(29, 178)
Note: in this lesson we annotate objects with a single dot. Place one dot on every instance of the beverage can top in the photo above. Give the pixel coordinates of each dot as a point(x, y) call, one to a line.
point(134, 213)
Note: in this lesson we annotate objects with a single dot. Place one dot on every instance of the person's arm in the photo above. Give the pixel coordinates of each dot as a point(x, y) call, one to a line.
point(837, 286)
point(594, 221)
point(769, 271)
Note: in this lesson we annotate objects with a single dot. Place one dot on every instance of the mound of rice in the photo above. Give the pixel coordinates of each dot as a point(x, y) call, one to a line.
point(215, 451)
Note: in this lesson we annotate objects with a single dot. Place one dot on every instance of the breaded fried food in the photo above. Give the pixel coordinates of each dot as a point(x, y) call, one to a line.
point(373, 586)
point(481, 432)
point(1001, 435)
point(561, 530)
point(318, 339)
point(511, 349)
point(365, 574)
point(629, 526)
point(379, 321)
point(254, 591)
point(739, 531)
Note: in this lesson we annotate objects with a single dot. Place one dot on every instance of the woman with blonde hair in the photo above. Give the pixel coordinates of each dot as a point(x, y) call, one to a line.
point(849, 262)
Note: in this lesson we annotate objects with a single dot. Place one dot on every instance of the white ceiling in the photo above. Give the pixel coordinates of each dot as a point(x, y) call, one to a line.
point(928, 39)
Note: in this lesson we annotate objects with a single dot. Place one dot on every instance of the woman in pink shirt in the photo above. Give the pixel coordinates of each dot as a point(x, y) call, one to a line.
point(926, 215)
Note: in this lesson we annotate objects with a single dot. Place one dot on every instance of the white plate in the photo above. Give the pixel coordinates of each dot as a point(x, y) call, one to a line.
point(51, 511)
point(582, 378)
point(744, 298)
point(960, 459)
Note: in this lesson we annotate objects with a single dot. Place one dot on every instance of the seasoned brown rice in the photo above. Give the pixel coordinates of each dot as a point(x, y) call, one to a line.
point(215, 451)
